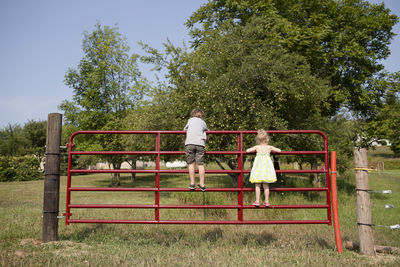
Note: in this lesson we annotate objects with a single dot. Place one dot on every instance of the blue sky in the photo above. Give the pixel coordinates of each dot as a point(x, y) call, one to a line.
point(41, 39)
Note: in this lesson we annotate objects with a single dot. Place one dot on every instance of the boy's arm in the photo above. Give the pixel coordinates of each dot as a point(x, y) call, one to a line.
point(205, 126)
point(251, 149)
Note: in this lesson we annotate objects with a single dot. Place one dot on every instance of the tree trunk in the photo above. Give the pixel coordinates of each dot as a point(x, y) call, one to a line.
point(280, 176)
point(234, 176)
point(115, 177)
point(315, 179)
point(133, 167)
point(246, 180)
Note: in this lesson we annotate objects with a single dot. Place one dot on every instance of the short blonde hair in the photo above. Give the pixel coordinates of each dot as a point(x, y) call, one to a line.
point(262, 137)
point(197, 113)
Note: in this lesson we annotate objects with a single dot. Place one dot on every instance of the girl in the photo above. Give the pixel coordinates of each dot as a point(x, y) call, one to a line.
point(263, 169)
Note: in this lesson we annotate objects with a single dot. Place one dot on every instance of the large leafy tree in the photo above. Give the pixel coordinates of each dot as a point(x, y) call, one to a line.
point(342, 41)
point(243, 79)
point(278, 64)
point(106, 84)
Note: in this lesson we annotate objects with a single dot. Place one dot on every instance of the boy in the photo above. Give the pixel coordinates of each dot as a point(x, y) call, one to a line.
point(194, 146)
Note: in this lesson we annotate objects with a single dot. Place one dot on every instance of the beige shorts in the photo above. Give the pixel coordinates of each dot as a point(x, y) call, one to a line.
point(194, 153)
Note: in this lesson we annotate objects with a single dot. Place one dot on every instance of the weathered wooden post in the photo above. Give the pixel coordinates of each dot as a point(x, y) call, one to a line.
point(52, 178)
point(364, 215)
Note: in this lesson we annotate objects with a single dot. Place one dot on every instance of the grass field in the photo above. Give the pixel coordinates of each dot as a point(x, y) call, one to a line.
point(190, 245)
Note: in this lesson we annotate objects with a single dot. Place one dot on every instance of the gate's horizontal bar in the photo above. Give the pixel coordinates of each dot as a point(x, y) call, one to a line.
point(183, 152)
point(112, 206)
point(151, 206)
point(208, 132)
point(186, 171)
point(197, 222)
point(197, 189)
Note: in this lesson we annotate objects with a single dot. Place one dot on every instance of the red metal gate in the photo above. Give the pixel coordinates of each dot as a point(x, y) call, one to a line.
point(157, 189)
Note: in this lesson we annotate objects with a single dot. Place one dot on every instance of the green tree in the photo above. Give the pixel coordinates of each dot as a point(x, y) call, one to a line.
point(157, 113)
point(243, 80)
point(35, 135)
point(342, 41)
point(12, 142)
point(106, 84)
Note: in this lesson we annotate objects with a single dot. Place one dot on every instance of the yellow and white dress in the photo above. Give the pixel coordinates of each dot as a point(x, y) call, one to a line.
point(263, 170)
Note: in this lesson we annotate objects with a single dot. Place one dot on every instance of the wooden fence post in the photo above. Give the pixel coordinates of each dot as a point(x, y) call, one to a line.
point(364, 215)
point(52, 178)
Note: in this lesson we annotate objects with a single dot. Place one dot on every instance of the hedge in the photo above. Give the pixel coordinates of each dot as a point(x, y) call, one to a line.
point(23, 168)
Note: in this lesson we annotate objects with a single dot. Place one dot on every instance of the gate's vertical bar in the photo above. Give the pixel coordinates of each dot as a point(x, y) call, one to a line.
point(67, 213)
point(157, 192)
point(328, 183)
point(336, 226)
point(240, 178)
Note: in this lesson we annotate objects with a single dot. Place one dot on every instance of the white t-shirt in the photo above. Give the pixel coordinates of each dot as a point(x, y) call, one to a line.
point(196, 132)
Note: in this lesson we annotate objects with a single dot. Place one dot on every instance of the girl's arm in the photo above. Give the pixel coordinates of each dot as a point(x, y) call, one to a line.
point(251, 149)
point(275, 149)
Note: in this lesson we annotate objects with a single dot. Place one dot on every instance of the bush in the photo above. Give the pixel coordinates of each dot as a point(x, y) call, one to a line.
point(23, 168)
point(392, 164)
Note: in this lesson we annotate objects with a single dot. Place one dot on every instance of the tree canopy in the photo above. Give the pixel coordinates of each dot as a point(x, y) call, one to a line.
point(279, 65)
point(106, 84)
point(342, 41)
point(244, 80)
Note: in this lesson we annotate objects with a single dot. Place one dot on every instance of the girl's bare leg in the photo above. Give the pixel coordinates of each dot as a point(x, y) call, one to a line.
point(266, 191)
point(258, 192)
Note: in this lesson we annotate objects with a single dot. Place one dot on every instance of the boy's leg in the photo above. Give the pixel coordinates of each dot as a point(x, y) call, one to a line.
point(190, 160)
point(200, 163)
point(202, 174)
point(191, 173)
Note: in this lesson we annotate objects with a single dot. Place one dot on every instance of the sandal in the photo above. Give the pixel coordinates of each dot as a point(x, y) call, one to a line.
point(266, 203)
point(192, 187)
point(256, 203)
point(202, 188)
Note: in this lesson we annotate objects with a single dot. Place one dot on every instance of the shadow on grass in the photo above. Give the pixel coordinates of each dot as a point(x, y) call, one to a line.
point(82, 234)
point(167, 237)
point(262, 239)
point(212, 235)
point(323, 244)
